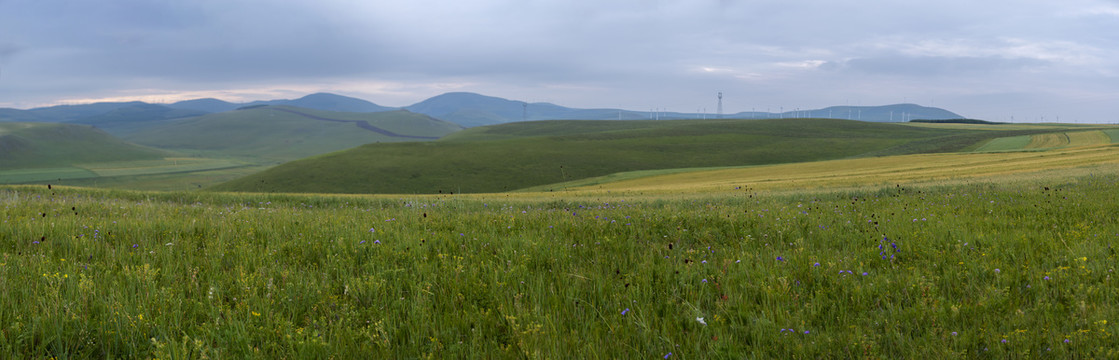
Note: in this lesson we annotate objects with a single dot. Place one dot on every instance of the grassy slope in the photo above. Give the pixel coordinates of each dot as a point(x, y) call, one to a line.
point(46, 145)
point(519, 155)
point(270, 135)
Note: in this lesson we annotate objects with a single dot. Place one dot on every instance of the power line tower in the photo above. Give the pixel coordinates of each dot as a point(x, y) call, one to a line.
point(720, 111)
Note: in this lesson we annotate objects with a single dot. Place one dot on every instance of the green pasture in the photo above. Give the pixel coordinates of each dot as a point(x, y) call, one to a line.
point(971, 270)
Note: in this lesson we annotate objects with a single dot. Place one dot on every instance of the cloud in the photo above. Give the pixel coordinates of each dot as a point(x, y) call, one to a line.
point(588, 53)
point(8, 50)
point(926, 66)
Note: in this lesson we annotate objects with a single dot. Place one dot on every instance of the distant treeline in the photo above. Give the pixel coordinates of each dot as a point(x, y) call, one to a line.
point(956, 121)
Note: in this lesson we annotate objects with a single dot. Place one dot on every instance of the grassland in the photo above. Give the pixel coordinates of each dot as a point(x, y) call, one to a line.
point(962, 255)
point(522, 155)
point(46, 145)
point(998, 269)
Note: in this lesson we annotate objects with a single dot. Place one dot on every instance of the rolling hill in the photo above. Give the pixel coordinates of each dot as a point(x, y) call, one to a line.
point(519, 155)
point(44, 145)
point(316, 101)
point(281, 133)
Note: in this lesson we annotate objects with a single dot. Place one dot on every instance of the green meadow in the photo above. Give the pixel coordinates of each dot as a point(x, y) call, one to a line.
point(934, 240)
point(982, 269)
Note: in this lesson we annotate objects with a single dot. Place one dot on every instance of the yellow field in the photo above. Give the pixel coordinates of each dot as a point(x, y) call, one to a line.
point(908, 169)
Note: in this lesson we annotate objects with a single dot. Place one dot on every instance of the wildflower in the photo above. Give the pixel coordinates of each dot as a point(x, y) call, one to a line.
point(703, 262)
point(625, 311)
point(954, 333)
point(1066, 341)
point(361, 242)
point(667, 355)
point(700, 319)
point(1046, 278)
point(704, 281)
point(376, 241)
point(816, 264)
point(136, 246)
point(372, 229)
point(805, 332)
point(865, 274)
point(780, 258)
point(1003, 341)
point(997, 271)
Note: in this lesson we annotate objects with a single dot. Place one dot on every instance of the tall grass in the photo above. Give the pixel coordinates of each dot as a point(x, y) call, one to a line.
point(980, 270)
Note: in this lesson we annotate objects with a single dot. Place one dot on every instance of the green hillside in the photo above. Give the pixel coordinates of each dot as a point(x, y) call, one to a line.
point(518, 155)
point(46, 145)
point(282, 133)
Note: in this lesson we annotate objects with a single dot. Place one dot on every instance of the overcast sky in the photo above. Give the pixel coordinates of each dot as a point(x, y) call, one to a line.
point(989, 59)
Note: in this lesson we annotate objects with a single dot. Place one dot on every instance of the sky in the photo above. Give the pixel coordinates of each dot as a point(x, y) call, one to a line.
point(1000, 60)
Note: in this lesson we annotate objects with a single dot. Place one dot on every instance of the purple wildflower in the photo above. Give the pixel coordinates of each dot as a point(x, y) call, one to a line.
point(362, 242)
point(372, 230)
point(376, 241)
point(625, 311)
point(667, 355)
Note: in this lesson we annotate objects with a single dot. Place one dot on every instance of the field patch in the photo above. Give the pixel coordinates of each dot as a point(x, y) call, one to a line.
point(1049, 140)
point(19, 176)
point(1006, 143)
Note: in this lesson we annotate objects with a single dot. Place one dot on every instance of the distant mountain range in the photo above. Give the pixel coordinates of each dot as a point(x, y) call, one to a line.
point(463, 108)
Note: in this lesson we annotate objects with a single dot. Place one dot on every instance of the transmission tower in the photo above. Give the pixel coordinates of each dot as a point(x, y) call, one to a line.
point(720, 111)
